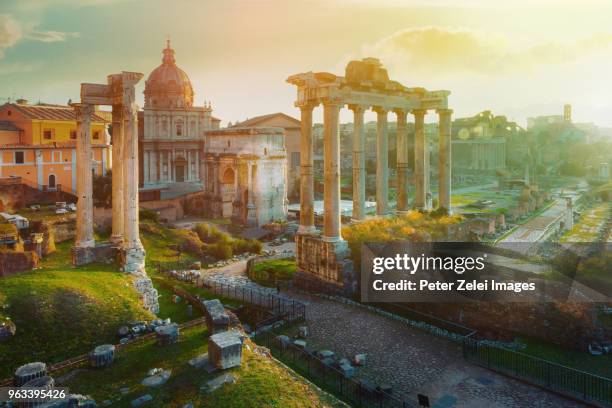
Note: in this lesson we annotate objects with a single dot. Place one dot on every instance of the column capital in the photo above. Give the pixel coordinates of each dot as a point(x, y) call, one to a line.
point(83, 110)
point(400, 112)
point(307, 106)
point(380, 110)
point(444, 111)
point(418, 112)
point(357, 108)
point(333, 102)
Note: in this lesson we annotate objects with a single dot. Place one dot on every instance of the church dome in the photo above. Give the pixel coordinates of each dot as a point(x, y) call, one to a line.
point(168, 86)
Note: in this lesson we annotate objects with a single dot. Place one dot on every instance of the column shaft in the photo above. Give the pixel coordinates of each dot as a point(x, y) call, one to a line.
point(130, 160)
point(117, 182)
point(307, 225)
point(444, 155)
point(84, 231)
point(382, 163)
point(359, 173)
point(402, 161)
point(420, 200)
point(331, 169)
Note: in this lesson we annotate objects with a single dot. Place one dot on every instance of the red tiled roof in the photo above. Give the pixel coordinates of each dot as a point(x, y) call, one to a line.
point(55, 112)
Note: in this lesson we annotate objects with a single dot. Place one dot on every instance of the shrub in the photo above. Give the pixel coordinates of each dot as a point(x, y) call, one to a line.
point(242, 246)
point(220, 250)
point(209, 233)
point(146, 214)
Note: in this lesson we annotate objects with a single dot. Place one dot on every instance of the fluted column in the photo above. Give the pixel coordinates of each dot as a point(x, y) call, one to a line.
point(444, 155)
point(331, 171)
point(131, 237)
point(117, 194)
point(382, 162)
point(359, 176)
point(84, 229)
point(402, 161)
point(307, 225)
point(420, 150)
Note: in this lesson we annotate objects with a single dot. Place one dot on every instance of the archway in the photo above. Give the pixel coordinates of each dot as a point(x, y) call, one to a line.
point(51, 183)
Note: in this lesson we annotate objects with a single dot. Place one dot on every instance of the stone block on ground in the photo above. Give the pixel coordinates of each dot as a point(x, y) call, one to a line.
point(168, 334)
point(326, 354)
point(225, 349)
point(218, 382)
point(217, 318)
point(299, 343)
point(29, 372)
point(359, 359)
point(283, 341)
point(199, 361)
point(304, 332)
point(140, 401)
point(44, 382)
point(347, 370)
point(157, 379)
point(102, 356)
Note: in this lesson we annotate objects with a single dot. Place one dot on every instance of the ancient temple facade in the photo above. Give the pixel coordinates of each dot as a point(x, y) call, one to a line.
point(172, 128)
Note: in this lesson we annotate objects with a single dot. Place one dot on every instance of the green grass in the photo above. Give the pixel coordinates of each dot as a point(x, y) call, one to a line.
point(267, 273)
point(581, 360)
point(61, 311)
point(260, 381)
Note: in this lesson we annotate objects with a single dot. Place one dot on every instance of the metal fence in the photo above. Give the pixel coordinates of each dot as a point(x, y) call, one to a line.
point(358, 393)
point(556, 377)
point(290, 310)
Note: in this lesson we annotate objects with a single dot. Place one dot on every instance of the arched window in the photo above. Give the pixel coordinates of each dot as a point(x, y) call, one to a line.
point(51, 180)
point(228, 176)
point(179, 128)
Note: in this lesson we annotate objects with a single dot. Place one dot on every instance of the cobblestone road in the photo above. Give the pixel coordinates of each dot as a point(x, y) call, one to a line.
point(410, 360)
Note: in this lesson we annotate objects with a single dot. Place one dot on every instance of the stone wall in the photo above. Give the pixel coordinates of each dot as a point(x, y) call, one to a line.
point(15, 262)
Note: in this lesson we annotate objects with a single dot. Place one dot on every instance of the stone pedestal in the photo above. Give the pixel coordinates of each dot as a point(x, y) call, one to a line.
point(148, 293)
point(29, 372)
point(168, 334)
point(217, 319)
point(225, 350)
point(324, 265)
point(102, 356)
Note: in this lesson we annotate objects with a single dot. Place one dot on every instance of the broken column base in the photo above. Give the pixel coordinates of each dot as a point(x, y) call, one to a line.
point(100, 253)
point(324, 266)
point(133, 262)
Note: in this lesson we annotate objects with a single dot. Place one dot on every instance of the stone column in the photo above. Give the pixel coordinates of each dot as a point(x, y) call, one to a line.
point(84, 227)
point(402, 161)
point(251, 208)
point(307, 225)
point(117, 182)
point(444, 162)
point(359, 171)
point(382, 162)
point(331, 171)
point(420, 169)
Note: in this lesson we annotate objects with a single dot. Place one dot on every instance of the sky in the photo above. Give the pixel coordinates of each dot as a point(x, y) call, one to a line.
point(518, 58)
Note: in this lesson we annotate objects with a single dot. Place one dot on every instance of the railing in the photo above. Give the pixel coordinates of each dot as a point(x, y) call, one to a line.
point(84, 358)
point(281, 308)
point(328, 377)
point(565, 380)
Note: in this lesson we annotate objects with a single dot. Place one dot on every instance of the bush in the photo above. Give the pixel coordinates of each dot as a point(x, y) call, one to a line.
point(267, 273)
point(146, 214)
point(220, 250)
point(209, 234)
point(242, 246)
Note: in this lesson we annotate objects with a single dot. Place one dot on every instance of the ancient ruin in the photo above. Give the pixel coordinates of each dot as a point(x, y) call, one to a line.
point(119, 92)
point(366, 85)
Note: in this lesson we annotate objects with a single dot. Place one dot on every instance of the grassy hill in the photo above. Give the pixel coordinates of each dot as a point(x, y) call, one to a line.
point(61, 311)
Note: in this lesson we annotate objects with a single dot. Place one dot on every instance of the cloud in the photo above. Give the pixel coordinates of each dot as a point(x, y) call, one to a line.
point(446, 52)
point(51, 36)
point(10, 33)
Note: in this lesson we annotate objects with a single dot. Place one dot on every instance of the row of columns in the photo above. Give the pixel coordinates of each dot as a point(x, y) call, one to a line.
point(125, 231)
point(331, 165)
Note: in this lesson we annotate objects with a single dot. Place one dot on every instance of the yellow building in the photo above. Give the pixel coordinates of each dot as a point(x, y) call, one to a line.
point(38, 144)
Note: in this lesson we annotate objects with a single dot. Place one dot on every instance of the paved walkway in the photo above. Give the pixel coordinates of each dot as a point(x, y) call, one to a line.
point(408, 359)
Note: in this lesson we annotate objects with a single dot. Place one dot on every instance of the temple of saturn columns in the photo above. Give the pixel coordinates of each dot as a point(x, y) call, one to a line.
point(119, 92)
point(322, 256)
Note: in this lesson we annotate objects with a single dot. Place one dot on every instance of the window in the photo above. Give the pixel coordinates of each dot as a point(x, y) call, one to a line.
point(164, 126)
point(19, 157)
point(295, 159)
point(51, 180)
point(57, 156)
point(96, 135)
point(73, 134)
point(179, 129)
point(48, 134)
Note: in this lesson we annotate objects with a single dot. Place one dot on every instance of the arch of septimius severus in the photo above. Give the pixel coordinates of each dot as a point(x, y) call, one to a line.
point(366, 85)
point(119, 92)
